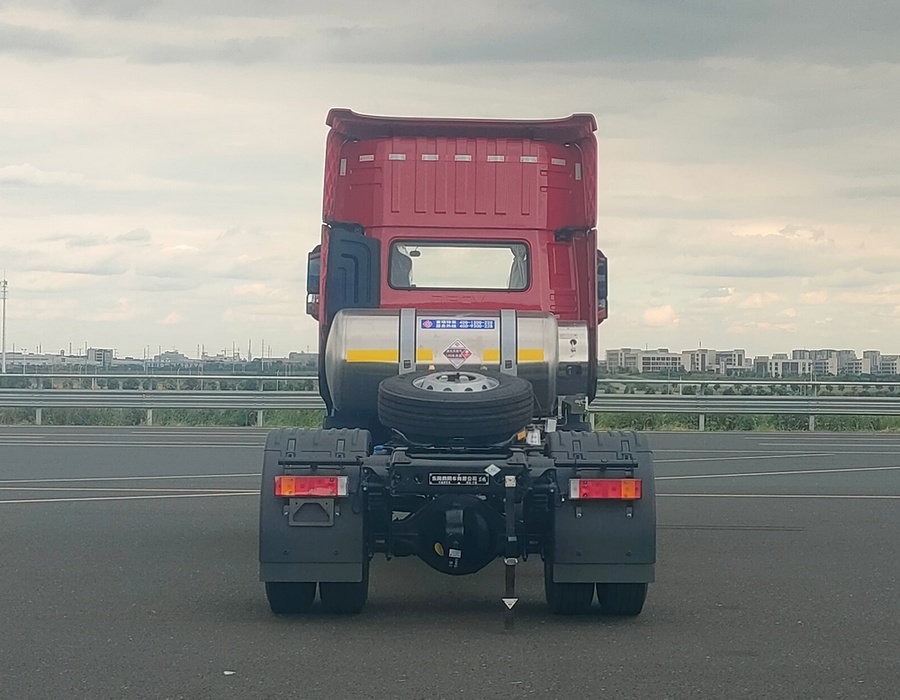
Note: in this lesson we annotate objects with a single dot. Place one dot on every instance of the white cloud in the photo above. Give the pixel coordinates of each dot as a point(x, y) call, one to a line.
point(173, 318)
point(170, 153)
point(27, 175)
point(884, 296)
point(660, 316)
point(123, 310)
point(758, 300)
point(814, 298)
point(261, 290)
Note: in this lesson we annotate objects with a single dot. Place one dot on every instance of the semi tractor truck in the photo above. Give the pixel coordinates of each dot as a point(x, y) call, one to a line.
point(458, 290)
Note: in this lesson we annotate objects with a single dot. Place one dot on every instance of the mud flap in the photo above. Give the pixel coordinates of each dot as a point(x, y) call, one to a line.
point(603, 541)
point(313, 539)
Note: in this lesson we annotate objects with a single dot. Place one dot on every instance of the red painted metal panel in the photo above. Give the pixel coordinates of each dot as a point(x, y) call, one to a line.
point(424, 182)
point(474, 179)
point(492, 174)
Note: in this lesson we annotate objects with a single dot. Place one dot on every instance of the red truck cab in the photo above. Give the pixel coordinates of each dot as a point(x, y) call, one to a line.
point(485, 214)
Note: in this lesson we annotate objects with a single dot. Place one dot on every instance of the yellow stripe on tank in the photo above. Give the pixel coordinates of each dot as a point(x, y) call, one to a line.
point(525, 355)
point(373, 356)
point(531, 355)
point(422, 355)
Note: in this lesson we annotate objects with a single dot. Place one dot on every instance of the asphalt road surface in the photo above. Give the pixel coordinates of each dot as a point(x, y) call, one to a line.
point(129, 571)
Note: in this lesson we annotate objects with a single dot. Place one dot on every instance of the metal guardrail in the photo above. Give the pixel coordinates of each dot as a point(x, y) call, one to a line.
point(702, 405)
point(88, 398)
point(261, 401)
point(812, 405)
point(676, 384)
point(160, 376)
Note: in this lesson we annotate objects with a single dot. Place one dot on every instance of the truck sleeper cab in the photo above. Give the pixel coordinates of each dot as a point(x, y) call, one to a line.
point(458, 290)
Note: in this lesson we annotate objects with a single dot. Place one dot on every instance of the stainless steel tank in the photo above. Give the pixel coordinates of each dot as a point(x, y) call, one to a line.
point(367, 345)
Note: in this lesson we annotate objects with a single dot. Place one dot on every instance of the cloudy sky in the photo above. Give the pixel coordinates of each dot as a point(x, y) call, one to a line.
point(161, 160)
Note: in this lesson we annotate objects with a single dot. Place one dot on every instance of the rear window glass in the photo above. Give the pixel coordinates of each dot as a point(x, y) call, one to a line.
point(459, 265)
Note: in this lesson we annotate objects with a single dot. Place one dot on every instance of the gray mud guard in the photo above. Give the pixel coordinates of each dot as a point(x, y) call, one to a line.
point(603, 541)
point(329, 544)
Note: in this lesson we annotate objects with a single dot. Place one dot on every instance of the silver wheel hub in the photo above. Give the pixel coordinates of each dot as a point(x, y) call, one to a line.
point(457, 382)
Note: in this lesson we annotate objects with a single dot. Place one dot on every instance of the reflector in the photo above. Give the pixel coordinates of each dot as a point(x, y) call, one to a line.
point(311, 486)
point(610, 489)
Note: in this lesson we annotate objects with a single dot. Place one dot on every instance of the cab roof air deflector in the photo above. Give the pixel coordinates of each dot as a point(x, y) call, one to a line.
point(351, 125)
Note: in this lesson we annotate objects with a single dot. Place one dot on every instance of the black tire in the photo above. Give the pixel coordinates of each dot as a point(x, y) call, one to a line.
point(290, 598)
point(621, 599)
point(345, 598)
point(493, 414)
point(566, 598)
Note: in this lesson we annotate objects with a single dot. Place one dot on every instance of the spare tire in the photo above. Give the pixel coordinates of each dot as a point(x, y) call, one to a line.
point(435, 406)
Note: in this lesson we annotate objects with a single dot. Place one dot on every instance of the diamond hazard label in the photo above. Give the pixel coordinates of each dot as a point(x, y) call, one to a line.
point(457, 353)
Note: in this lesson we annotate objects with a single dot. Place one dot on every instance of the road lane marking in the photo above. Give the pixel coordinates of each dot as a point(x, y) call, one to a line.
point(256, 475)
point(97, 489)
point(738, 528)
point(80, 443)
point(127, 498)
point(822, 436)
point(854, 451)
point(779, 473)
point(880, 497)
point(848, 444)
point(722, 451)
point(734, 459)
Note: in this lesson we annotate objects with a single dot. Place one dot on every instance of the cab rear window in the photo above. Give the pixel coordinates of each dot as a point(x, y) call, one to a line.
point(459, 265)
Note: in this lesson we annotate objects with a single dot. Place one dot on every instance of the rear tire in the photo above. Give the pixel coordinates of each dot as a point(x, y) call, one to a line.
point(290, 597)
point(343, 598)
point(566, 598)
point(488, 406)
point(621, 599)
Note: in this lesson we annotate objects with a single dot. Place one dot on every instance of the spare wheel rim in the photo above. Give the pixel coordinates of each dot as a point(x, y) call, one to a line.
point(456, 382)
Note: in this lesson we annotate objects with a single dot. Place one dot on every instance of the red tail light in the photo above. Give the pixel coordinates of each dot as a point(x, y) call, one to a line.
point(310, 486)
point(610, 489)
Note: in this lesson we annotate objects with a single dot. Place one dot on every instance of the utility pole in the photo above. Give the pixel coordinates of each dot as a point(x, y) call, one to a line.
point(4, 292)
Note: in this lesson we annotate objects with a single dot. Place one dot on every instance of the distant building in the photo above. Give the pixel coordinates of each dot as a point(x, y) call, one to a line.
point(780, 365)
point(698, 360)
point(623, 360)
point(100, 357)
point(303, 359)
point(659, 361)
point(664, 360)
point(874, 358)
point(857, 366)
point(730, 361)
point(890, 364)
point(815, 363)
point(841, 362)
point(172, 358)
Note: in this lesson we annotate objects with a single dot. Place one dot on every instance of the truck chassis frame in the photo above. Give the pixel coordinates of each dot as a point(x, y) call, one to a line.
point(458, 509)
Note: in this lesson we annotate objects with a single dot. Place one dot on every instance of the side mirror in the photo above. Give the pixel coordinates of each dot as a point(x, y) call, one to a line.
point(602, 288)
point(313, 267)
